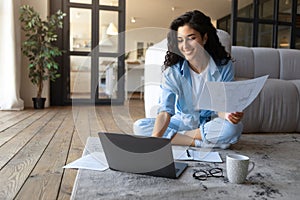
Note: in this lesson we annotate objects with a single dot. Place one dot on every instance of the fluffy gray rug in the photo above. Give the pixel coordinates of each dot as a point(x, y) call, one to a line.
point(276, 175)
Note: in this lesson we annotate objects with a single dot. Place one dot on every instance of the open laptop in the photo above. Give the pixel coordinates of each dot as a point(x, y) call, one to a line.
point(141, 155)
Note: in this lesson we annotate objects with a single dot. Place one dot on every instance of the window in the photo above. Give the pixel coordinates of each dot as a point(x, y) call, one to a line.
point(265, 35)
point(244, 34)
point(264, 23)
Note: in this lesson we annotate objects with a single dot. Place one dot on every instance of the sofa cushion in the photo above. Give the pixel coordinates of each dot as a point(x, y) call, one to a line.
point(297, 84)
point(289, 64)
point(251, 119)
point(243, 61)
point(276, 109)
point(266, 62)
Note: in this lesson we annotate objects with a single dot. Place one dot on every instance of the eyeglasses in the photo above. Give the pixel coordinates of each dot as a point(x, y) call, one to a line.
point(202, 174)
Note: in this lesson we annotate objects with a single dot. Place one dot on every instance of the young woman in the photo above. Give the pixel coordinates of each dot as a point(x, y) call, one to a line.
point(195, 55)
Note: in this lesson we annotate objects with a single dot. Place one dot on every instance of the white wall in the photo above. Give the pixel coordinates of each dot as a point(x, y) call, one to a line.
point(147, 34)
point(28, 90)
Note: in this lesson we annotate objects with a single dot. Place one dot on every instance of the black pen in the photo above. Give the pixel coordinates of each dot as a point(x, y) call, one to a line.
point(188, 153)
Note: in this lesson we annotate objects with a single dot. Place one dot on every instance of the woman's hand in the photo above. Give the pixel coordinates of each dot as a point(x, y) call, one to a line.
point(234, 117)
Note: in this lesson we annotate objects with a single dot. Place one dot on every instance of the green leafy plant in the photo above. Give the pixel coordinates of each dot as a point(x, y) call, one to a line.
point(38, 46)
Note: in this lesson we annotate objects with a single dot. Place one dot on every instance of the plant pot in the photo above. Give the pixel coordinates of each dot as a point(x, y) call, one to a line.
point(39, 103)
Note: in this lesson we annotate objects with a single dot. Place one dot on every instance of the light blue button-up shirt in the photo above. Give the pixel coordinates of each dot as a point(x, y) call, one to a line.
point(177, 91)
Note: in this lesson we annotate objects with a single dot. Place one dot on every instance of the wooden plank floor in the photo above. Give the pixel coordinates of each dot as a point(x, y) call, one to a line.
point(36, 144)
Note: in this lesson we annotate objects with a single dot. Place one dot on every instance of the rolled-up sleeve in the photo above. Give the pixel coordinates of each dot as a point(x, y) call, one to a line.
point(167, 101)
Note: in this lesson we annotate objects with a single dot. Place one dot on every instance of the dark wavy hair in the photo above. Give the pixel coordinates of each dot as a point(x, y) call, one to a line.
point(201, 23)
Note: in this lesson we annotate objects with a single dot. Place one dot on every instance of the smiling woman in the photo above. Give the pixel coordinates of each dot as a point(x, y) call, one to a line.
point(195, 56)
point(10, 57)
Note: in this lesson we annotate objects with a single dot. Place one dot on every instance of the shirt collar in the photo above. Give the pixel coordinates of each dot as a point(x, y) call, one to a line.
point(185, 68)
point(213, 69)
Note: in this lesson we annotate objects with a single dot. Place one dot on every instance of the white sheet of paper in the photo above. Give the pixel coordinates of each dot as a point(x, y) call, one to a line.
point(93, 161)
point(180, 154)
point(230, 96)
point(209, 156)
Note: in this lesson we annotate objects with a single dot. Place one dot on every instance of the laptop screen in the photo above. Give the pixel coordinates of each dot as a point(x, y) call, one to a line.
point(137, 154)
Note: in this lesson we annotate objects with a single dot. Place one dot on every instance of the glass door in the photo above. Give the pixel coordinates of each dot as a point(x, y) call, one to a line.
point(94, 59)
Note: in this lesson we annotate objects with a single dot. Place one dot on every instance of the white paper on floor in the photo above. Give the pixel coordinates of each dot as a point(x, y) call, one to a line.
point(93, 161)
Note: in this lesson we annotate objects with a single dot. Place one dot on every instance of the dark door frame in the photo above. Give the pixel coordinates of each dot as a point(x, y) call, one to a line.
point(60, 89)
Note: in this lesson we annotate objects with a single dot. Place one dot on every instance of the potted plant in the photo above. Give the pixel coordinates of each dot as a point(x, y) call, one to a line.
point(39, 48)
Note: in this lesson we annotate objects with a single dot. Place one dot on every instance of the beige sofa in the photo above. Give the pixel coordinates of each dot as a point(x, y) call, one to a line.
point(277, 107)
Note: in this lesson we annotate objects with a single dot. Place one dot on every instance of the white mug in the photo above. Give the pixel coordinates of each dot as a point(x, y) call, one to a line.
point(237, 167)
